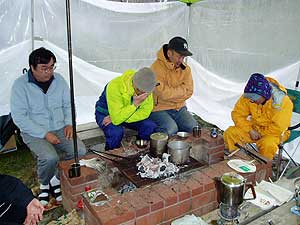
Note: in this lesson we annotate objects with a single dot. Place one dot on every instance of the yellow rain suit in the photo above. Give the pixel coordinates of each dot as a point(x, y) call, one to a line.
point(271, 122)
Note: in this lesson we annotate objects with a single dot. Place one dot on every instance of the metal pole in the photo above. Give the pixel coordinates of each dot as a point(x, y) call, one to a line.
point(297, 81)
point(188, 24)
point(71, 80)
point(32, 25)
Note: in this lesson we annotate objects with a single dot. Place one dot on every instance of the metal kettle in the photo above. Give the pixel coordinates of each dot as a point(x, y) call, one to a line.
point(231, 189)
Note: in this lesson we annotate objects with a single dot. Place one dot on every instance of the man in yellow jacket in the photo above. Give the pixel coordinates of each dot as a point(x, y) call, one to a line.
point(261, 115)
point(126, 102)
point(176, 86)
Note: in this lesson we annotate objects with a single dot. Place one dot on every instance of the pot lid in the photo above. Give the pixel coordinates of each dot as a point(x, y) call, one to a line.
point(159, 136)
point(232, 179)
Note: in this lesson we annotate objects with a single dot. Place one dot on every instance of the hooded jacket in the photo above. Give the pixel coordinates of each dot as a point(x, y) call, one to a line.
point(176, 84)
point(117, 101)
point(272, 118)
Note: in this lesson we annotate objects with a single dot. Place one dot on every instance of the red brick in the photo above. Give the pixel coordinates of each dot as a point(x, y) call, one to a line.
point(90, 218)
point(222, 167)
point(169, 196)
point(141, 207)
point(204, 199)
point(194, 186)
point(212, 172)
point(214, 149)
point(216, 157)
point(116, 215)
point(166, 223)
point(177, 210)
point(151, 198)
point(132, 222)
point(151, 219)
point(207, 182)
point(178, 187)
point(87, 174)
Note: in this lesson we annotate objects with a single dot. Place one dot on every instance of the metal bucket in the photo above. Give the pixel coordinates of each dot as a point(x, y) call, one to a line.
point(179, 152)
point(158, 143)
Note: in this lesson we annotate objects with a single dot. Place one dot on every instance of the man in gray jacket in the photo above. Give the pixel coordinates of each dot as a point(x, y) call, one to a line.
point(40, 107)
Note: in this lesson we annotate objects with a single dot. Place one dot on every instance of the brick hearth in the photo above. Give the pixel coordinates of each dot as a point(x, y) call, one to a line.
point(160, 203)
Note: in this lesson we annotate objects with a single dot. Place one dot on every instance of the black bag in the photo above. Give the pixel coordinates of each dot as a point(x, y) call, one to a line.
point(7, 129)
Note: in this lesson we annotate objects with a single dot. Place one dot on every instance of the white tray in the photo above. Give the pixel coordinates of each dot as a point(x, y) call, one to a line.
point(242, 166)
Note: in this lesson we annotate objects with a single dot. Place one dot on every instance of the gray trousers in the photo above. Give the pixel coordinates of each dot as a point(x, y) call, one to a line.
point(48, 155)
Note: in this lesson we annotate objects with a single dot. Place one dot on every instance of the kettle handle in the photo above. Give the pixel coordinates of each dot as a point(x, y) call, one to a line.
point(253, 192)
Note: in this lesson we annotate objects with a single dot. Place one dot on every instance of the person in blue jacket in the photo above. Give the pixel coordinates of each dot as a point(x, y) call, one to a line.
point(41, 108)
point(17, 203)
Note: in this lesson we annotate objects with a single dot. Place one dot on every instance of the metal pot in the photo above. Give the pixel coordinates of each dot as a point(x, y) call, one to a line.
point(232, 188)
point(158, 143)
point(179, 152)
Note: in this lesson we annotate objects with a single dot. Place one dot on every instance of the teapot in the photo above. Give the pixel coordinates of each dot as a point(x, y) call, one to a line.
point(231, 189)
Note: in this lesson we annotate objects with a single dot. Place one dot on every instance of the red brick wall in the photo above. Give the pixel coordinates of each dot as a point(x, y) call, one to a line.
point(194, 192)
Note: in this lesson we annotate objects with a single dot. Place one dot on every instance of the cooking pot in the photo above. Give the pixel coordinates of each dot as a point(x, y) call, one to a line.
point(158, 144)
point(179, 152)
point(231, 189)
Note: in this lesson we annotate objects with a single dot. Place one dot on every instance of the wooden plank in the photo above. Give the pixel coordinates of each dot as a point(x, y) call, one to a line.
point(91, 130)
point(86, 126)
point(88, 134)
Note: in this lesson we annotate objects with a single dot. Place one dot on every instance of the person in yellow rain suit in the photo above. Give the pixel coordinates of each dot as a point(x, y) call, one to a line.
point(261, 115)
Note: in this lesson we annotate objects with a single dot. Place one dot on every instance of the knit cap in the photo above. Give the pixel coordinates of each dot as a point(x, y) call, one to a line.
point(257, 86)
point(145, 80)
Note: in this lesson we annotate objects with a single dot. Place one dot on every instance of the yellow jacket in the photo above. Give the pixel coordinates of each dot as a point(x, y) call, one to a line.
point(266, 119)
point(176, 85)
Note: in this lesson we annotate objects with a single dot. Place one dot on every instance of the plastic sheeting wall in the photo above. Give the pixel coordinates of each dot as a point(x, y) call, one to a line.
point(230, 40)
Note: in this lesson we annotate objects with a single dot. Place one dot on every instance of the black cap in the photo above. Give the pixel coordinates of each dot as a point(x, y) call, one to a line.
point(180, 46)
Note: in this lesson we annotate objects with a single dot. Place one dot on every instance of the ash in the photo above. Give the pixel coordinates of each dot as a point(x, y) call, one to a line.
point(127, 188)
point(154, 168)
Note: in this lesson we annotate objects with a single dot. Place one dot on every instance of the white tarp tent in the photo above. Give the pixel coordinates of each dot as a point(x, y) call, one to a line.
point(230, 40)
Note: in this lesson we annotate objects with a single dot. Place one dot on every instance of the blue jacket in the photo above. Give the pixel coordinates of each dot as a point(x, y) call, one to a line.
point(36, 113)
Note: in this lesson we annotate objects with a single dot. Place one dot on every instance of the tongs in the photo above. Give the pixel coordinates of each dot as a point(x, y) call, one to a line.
point(102, 155)
point(254, 154)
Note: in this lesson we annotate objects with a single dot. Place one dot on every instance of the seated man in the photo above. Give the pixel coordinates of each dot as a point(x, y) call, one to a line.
point(41, 108)
point(176, 86)
point(126, 101)
point(17, 203)
point(261, 115)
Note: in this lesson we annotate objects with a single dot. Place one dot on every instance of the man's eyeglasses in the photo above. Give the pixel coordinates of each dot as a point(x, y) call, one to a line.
point(48, 69)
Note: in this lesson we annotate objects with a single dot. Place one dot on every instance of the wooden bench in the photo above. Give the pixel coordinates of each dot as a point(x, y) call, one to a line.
point(91, 134)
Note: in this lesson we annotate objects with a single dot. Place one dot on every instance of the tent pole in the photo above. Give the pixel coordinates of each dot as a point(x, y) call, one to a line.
point(71, 80)
point(189, 20)
point(188, 24)
point(32, 25)
point(298, 78)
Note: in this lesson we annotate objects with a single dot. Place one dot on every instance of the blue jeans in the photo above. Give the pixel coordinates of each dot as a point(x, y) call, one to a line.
point(48, 155)
point(171, 121)
point(114, 133)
